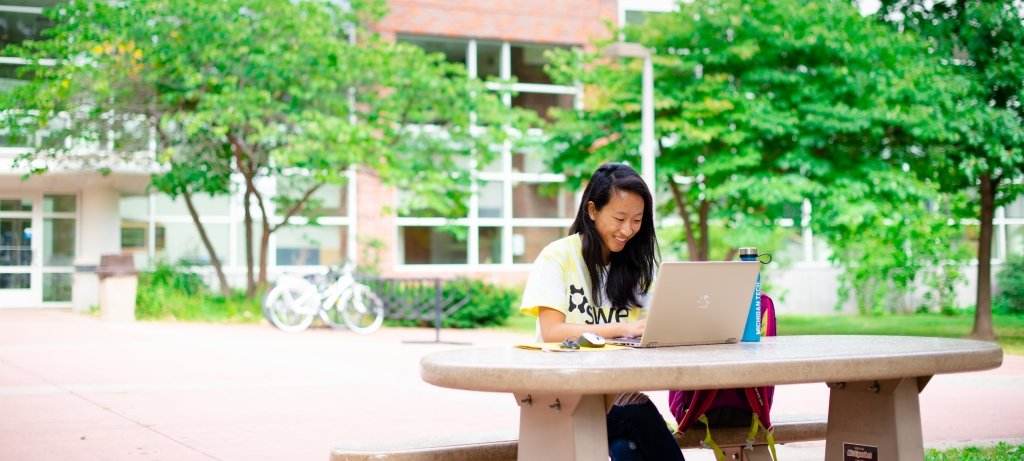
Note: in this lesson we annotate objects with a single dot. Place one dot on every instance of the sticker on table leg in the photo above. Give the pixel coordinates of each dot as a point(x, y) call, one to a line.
point(854, 452)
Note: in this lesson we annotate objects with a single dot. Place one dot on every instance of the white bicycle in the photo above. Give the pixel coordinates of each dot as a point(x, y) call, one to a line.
point(335, 297)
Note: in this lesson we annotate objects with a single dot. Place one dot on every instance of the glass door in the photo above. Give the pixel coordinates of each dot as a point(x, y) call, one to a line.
point(18, 285)
point(58, 244)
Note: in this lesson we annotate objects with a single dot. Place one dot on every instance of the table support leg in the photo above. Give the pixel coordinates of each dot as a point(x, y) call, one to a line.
point(875, 421)
point(562, 427)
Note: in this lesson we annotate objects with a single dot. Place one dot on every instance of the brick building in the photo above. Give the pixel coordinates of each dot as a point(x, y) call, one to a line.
point(72, 218)
point(54, 228)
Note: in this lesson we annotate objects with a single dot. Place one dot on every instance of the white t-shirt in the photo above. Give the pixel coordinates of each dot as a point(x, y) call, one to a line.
point(559, 280)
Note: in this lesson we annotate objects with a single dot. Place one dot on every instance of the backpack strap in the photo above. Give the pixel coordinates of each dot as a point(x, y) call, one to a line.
point(759, 404)
point(768, 327)
point(709, 442)
point(699, 404)
point(760, 398)
point(769, 436)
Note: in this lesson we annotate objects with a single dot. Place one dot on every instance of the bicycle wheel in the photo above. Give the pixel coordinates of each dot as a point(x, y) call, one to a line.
point(283, 308)
point(331, 314)
point(361, 309)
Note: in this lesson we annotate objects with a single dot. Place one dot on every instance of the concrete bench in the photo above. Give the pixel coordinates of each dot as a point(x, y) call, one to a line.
point(503, 447)
point(476, 447)
point(733, 440)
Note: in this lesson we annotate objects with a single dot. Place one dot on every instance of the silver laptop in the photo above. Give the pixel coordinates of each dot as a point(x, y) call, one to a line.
point(703, 302)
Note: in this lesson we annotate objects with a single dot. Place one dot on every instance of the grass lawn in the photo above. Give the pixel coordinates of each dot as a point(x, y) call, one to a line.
point(1000, 452)
point(1009, 328)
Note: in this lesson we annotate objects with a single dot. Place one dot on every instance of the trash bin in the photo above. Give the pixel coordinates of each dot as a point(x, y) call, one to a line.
point(118, 284)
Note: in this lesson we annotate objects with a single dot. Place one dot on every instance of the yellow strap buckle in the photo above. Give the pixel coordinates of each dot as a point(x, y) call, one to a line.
point(709, 442)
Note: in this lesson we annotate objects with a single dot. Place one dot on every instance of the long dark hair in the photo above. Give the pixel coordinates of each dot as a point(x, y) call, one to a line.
point(633, 267)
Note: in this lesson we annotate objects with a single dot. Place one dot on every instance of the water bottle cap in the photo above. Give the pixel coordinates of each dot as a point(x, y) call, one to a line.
point(748, 251)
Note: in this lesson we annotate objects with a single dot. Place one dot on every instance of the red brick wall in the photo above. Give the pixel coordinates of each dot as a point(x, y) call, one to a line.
point(527, 21)
point(375, 219)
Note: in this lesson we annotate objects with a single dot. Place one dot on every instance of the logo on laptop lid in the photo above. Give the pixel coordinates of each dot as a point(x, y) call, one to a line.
point(703, 302)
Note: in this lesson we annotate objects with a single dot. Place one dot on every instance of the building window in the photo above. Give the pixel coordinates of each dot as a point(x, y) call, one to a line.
point(490, 245)
point(453, 49)
point(519, 205)
point(16, 205)
point(204, 204)
point(528, 241)
point(59, 246)
point(492, 200)
point(174, 235)
point(1015, 239)
point(59, 204)
point(528, 63)
point(541, 103)
point(542, 200)
point(135, 236)
point(15, 281)
point(1011, 226)
point(488, 60)
point(8, 80)
point(318, 236)
point(311, 245)
point(1015, 209)
point(16, 234)
point(57, 287)
point(433, 245)
point(58, 241)
point(17, 24)
point(25, 23)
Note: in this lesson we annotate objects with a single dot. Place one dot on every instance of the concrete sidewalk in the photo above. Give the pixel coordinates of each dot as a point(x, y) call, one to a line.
point(79, 388)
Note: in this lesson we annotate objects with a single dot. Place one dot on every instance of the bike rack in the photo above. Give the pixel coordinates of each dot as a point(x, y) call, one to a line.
point(409, 301)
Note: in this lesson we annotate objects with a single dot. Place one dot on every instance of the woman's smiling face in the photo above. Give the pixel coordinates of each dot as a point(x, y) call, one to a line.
point(618, 221)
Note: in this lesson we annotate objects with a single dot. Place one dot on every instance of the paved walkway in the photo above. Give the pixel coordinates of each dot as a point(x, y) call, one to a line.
point(79, 388)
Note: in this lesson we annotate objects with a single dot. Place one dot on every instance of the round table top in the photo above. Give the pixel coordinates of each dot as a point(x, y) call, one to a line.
point(774, 360)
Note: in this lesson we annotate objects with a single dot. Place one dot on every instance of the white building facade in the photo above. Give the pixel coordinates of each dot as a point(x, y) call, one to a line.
point(55, 227)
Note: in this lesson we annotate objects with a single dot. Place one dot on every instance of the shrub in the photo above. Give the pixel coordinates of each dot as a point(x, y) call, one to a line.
point(171, 291)
point(1011, 286)
point(489, 304)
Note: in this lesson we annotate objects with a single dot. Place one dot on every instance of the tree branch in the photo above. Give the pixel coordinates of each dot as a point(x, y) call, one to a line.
point(684, 212)
point(297, 206)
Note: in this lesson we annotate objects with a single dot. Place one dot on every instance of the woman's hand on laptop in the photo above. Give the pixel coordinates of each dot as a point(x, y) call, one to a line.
point(554, 329)
point(633, 329)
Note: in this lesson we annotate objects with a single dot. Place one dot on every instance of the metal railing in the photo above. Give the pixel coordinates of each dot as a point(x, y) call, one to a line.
point(420, 299)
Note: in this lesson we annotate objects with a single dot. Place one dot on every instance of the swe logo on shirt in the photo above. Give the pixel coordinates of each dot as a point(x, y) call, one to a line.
point(578, 302)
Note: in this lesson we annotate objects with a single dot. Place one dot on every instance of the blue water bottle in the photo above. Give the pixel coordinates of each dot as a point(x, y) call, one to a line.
point(752, 332)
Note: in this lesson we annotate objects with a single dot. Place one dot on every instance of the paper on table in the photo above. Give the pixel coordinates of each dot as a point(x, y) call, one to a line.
point(557, 347)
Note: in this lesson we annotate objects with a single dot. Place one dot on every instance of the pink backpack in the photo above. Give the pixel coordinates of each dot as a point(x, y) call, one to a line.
point(688, 407)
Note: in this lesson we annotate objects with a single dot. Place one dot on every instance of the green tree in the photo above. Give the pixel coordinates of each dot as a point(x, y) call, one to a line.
point(979, 43)
point(256, 89)
point(759, 106)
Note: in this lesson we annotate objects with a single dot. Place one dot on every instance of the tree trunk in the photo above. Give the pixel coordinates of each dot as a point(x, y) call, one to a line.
point(214, 261)
point(245, 165)
point(264, 249)
point(684, 212)
point(705, 235)
point(250, 281)
point(267, 229)
point(983, 309)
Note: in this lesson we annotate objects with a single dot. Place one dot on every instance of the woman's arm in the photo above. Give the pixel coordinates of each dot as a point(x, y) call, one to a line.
point(554, 329)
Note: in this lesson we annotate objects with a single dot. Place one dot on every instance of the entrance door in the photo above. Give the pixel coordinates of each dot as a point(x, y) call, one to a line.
point(19, 285)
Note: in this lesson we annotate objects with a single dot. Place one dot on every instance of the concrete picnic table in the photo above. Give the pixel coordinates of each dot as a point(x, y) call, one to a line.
point(874, 380)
